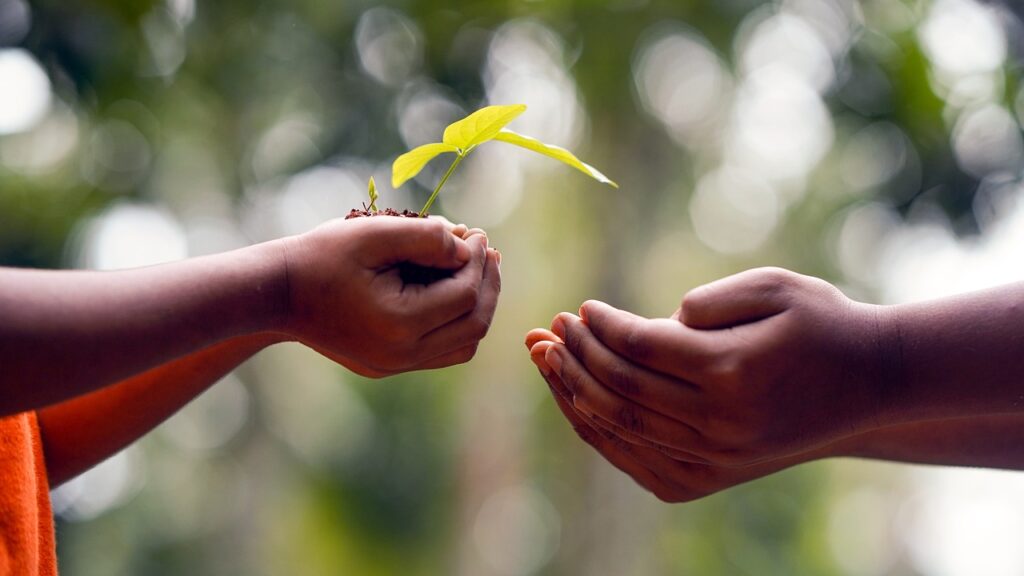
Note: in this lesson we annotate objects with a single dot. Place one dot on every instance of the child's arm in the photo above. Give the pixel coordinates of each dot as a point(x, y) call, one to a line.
point(79, 433)
point(991, 441)
point(336, 288)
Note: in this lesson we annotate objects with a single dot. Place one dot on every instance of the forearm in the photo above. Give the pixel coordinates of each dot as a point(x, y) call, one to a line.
point(66, 333)
point(995, 441)
point(78, 434)
point(956, 357)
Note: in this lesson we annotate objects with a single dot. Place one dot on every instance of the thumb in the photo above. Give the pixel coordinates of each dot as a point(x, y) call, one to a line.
point(738, 299)
point(420, 241)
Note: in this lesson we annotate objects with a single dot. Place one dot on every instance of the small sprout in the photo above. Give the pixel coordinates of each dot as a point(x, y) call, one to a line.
point(464, 136)
point(373, 195)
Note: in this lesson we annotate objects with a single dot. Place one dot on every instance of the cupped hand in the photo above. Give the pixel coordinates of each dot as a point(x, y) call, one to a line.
point(348, 301)
point(759, 366)
point(651, 466)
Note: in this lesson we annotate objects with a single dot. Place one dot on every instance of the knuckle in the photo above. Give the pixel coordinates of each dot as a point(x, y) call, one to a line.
point(775, 275)
point(468, 296)
point(466, 354)
point(478, 328)
point(775, 281)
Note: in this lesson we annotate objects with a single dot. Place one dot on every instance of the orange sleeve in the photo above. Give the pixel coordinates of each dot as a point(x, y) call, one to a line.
point(26, 522)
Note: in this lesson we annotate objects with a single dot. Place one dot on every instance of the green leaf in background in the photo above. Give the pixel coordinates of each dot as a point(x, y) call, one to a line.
point(481, 126)
point(373, 195)
point(409, 164)
point(556, 152)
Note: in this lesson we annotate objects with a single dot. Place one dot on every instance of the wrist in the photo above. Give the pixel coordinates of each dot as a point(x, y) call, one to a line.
point(885, 374)
point(276, 319)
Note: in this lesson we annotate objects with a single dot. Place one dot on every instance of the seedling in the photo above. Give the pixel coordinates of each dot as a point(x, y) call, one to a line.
point(373, 195)
point(463, 136)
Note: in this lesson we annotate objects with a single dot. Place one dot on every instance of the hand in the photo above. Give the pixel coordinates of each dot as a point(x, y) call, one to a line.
point(348, 301)
point(669, 479)
point(759, 366)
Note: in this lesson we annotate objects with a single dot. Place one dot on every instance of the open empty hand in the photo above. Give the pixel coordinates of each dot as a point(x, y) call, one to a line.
point(651, 466)
point(759, 366)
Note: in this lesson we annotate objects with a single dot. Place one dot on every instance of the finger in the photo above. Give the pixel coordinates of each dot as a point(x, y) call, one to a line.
point(429, 306)
point(738, 299)
point(453, 358)
point(616, 453)
point(473, 326)
point(539, 356)
point(540, 335)
point(673, 397)
point(357, 367)
point(456, 229)
point(423, 241)
point(672, 454)
point(634, 423)
point(660, 344)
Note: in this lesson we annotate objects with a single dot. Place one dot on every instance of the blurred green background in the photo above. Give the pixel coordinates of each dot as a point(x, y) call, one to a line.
point(875, 144)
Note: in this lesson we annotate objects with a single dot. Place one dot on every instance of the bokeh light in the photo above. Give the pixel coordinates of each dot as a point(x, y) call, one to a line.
point(25, 98)
point(389, 44)
point(681, 81)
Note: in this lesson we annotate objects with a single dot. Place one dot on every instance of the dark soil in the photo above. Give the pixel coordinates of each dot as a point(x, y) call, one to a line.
point(409, 272)
point(356, 213)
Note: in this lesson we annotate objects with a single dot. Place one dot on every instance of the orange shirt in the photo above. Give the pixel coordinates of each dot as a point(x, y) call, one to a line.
point(26, 522)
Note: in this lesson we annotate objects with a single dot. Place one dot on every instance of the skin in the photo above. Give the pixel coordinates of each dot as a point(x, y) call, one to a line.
point(103, 357)
point(768, 369)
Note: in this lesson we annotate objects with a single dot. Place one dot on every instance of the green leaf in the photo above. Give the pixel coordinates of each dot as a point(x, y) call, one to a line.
point(556, 152)
point(409, 164)
point(373, 195)
point(481, 126)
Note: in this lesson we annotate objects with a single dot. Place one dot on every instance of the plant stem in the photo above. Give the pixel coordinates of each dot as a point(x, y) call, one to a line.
point(433, 196)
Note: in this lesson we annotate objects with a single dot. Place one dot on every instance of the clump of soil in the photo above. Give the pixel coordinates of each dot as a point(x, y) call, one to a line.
point(409, 272)
point(357, 213)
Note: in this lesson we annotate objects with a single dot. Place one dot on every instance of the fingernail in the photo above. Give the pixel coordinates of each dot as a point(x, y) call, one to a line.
point(498, 256)
point(558, 327)
point(554, 361)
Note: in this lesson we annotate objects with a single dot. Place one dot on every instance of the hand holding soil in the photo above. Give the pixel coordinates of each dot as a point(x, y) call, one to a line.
point(349, 301)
